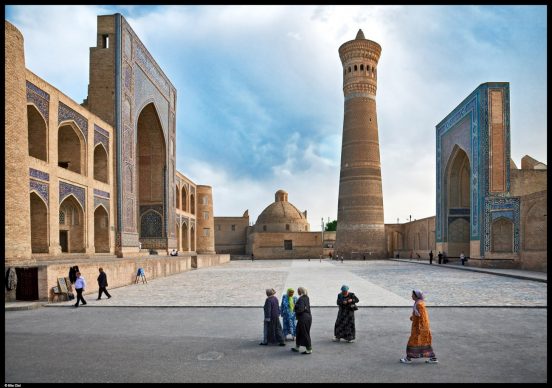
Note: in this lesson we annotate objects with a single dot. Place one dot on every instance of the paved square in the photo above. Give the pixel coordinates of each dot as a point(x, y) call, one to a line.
point(205, 326)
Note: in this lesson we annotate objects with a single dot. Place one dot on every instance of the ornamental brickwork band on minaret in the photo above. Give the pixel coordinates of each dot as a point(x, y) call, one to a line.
point(360, 225)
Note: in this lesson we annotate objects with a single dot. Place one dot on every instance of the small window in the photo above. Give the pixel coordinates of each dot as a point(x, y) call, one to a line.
point(205, 200)
point(205, 232)
point(361, 67)
point(205, 215)
point(105, 41)
point(62, 218)
point(288, 245)
point(287, 226)
point(349, 69)
point(355, 67)
point(264, 228)
point(233, 228)
point(218, 228)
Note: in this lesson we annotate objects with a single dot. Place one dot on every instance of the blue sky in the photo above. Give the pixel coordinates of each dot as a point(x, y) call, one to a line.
point(259, 88)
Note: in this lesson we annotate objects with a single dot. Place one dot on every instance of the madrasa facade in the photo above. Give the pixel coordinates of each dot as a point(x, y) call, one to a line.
point(95, 184)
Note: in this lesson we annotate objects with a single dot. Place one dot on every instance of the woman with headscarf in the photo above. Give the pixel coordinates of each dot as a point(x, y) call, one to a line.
point(288, 313)
point(304, 321)
point(419, 343)
point(345, 322)
point(272, 325)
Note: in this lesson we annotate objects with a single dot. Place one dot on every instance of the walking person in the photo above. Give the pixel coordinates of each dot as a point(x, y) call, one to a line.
point(252, 257)
point(419, 343)
point(272, 326)
point(345, 323)
point(431, 257)
point(80, 285)
point(288, 314)
point(440, 257)
point(102, 284)
point(304, 321)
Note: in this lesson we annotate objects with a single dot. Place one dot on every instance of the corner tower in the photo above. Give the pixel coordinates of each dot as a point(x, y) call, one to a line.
point(360, 225)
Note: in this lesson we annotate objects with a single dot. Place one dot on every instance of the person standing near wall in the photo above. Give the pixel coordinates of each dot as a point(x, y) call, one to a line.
point(440, 257)
point(431, 257)
point(80, 285)
point(102, 284)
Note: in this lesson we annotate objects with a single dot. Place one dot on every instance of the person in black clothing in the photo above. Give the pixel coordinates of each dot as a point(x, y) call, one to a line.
point(304, 321)
point(440, 257)
point(345, 323)
point(73, 273)
point(102, 284)
point(431, 257)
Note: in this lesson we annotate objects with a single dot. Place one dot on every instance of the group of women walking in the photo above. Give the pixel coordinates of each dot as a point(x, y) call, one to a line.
point(298, 309)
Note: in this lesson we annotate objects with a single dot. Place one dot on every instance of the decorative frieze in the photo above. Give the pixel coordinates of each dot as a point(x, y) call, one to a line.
point(41, 188)
point(39, 174)
point(40, 99)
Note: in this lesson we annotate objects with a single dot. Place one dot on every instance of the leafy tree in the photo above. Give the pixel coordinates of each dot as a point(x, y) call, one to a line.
point(331, 226)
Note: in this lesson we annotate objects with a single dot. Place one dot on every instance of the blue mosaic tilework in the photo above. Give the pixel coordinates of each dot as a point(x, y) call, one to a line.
point(41, 188)
point(148, 64)
point(66, 113)
point(101, 131)
point(102, 201)
point(65, 189)
point(40, 99)
point(39, 174)
point(151, 224)
point(101, 193)
point(496, 207)
point(99, 138)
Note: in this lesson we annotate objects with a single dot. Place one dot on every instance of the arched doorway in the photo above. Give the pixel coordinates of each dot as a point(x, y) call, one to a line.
point(71, 150)
point(39, 224)
point(192, 204)
point(457, 202)
point(101, 230)
point(151, 166)
point(100, 164)
point(502, 235)
point(38, 135)
point(71, 225)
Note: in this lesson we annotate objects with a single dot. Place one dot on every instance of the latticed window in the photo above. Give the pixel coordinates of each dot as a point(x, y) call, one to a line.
point(62, 217)
point(206, 232)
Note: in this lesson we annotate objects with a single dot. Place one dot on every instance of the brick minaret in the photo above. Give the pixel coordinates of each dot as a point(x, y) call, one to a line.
point(360, 226)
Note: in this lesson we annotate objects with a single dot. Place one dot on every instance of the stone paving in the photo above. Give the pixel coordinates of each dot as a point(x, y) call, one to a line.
point(377, 283)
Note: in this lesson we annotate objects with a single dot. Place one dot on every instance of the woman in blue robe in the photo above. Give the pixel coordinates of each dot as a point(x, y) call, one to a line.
point(287, 313)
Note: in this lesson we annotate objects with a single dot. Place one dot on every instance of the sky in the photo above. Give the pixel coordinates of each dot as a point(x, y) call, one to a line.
point(259, 89)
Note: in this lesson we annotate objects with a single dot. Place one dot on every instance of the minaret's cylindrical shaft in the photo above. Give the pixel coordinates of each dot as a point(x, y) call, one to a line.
point(360, 222)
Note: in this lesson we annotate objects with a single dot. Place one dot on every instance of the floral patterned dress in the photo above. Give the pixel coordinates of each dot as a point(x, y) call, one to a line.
point(288, 315)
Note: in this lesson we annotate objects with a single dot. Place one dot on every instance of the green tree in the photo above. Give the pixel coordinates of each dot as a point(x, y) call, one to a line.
point(331, 226)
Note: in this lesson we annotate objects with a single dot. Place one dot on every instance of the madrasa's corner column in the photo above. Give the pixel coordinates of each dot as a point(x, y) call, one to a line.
point(205, 220)
point(17, 217)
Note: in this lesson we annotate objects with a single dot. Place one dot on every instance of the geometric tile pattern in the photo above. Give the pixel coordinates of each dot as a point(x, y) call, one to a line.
point(39, 98)
point(65, 189)
point(39, 174)
point(41, 188)
point(101, 136)
point(502, 207)
point(101, 193)
point(66, 113)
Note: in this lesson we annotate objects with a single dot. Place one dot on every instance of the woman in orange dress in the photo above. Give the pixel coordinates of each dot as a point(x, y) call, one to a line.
point(419, 343)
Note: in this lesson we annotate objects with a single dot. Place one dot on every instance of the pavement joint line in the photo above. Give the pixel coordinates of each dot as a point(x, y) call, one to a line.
point(312, 307)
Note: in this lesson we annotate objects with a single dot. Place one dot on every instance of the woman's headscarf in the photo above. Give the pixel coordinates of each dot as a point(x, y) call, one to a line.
point(302, 291)
point(290, 299)
point(344, 288)
point(419, 297)
point(270, 291)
